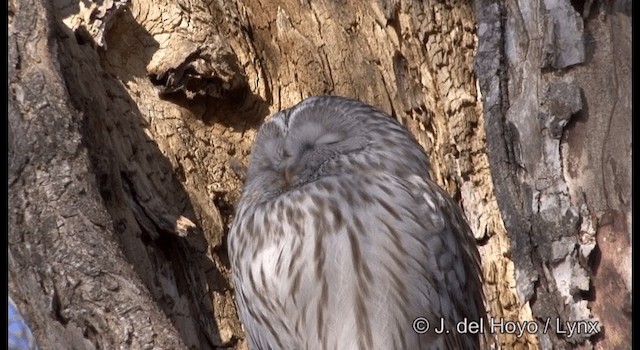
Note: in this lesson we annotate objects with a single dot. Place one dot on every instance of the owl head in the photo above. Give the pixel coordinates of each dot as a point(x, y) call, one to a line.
point(326, 136)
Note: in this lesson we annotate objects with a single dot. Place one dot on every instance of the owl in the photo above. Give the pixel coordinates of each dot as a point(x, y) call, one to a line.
point(341, 240)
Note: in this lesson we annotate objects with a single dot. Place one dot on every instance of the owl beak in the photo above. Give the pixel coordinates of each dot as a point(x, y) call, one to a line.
point(288, 176)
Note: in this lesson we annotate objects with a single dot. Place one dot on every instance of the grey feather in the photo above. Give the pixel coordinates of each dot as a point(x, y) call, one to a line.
point(341, 240)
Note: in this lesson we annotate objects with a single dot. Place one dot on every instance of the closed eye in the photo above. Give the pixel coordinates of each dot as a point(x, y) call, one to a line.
point(330, 138)
point(307, 146)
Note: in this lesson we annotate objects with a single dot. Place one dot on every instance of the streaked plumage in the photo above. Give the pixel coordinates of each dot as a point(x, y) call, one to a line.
point(341, 240)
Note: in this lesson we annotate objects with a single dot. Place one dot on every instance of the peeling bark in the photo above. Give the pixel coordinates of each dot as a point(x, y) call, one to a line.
point(552, 100)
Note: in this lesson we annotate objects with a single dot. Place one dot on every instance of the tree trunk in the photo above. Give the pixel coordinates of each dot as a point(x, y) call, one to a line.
point(557, 96)
point(130, 124)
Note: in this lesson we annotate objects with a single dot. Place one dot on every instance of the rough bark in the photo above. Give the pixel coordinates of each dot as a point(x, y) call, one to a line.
point(129, 124)
point(67, 272)
point(556, 78)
